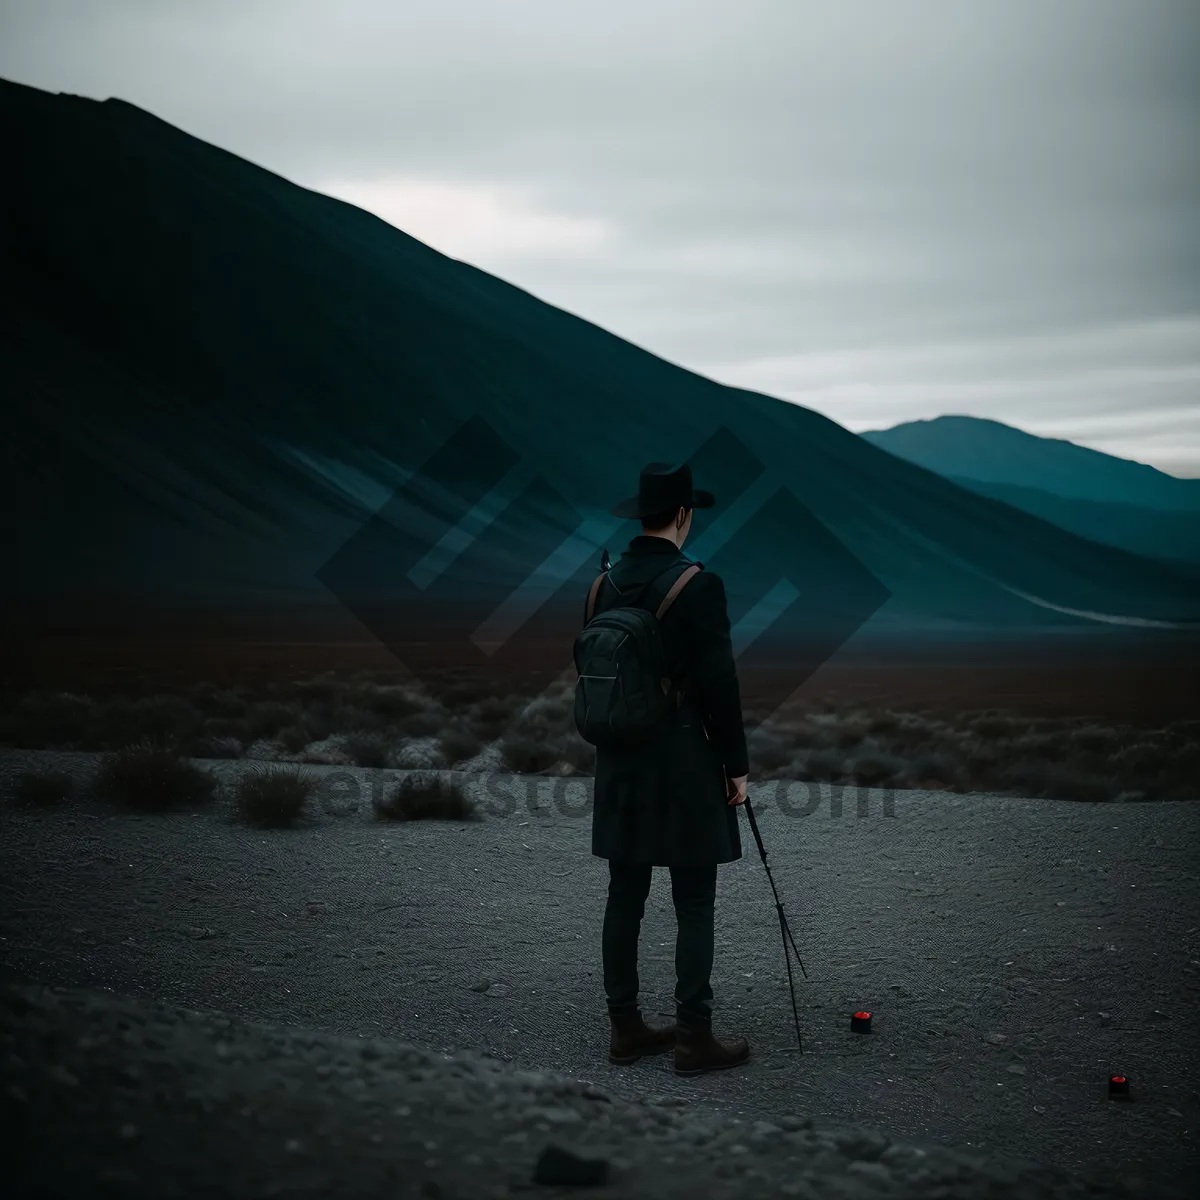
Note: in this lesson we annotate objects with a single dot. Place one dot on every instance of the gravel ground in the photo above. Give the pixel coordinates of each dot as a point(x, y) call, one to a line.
point(1014, 954)
point(115, 1097)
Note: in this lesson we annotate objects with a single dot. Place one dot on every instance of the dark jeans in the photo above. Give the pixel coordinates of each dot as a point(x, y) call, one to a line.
point(694, 891)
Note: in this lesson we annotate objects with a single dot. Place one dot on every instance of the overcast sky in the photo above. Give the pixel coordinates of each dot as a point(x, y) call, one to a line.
point(881, 210)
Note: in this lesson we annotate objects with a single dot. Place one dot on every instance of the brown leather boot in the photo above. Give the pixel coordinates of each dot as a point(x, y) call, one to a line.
point(632, 1038)
point(697, 1051)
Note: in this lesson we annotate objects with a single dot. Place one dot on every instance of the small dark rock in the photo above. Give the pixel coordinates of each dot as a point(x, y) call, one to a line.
point(558, 1166)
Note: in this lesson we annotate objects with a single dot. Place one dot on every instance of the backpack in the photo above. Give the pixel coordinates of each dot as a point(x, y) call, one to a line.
point(623, 696)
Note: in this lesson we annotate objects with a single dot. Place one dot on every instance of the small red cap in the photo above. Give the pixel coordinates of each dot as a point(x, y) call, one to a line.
point(1118, 1079)
point(863, 1015)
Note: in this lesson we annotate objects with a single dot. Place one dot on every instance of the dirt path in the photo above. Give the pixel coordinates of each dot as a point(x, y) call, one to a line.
point(1014, 953)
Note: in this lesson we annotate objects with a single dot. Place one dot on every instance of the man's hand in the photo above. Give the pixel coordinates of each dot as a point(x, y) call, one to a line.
point(737, 789)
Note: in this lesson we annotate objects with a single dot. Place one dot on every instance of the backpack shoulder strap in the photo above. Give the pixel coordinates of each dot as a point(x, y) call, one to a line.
point(593, 592)
point(680, 583)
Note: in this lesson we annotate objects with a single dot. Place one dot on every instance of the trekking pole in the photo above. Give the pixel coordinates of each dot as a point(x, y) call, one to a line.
point(784, 929)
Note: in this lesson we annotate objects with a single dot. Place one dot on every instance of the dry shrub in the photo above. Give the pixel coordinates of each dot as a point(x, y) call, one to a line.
point(823, 765)
point(367, 748)
point(346, 717)
point(267, 718)
point(418, 754)
point(768, 749)
point(318, 689)
point(391, 700)
point(1053, 781)
point(851, 732)
point(528, 756)
point(491, 716)
point(977, 758)
point(1093, 738)
point(884, 722)
point(994, 724)
point(221, 747)
point(1035, 747)
point(420, 724)
point(579, 754)
point(219, 702)
point(462, 692)
point(317, 724)
point(458, 743)
point(425, 796)
point(113, 724)
point(151, 778)
point(931, 770)
point(293, 738)
point(273, 797)
point(874, 767)
point(548, 714)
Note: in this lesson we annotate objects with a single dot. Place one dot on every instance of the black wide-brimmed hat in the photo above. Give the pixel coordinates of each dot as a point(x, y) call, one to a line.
point(661, 488)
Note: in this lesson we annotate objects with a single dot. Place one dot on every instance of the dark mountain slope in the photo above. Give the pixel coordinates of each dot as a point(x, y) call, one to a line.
point(1159, 533)
point(216, 377)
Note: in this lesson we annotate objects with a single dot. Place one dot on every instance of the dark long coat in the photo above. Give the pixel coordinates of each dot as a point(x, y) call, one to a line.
point(666, 804)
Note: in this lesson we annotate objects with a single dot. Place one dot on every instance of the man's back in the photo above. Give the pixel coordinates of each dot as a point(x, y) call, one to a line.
point(667, 804)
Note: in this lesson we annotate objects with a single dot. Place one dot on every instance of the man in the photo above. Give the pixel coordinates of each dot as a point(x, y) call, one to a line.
point(673, 804)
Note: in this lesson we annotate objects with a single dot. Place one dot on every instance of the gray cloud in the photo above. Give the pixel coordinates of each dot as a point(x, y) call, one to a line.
point(881, 211)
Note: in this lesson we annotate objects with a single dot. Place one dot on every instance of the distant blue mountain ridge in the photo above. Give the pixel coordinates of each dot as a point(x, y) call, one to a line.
point(1099, 496)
